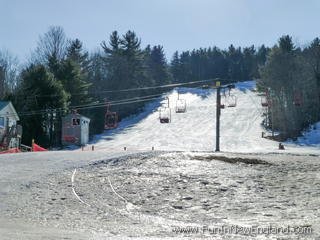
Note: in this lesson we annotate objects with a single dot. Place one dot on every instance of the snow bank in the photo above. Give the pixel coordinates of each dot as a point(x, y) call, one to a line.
point(310, 137)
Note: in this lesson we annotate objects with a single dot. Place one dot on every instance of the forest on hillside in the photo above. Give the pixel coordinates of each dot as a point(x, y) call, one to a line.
point(61, 75)
point(290, 79)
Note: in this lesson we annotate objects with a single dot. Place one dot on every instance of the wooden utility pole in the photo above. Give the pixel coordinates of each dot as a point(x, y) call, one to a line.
point(218, 110)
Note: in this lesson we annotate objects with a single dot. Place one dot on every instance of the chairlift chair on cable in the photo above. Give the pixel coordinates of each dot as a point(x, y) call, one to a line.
point(265, 102)
point(297, 99)
point(165, 113)
point(222, 101)
point(266, 99)
point(232, 101)
point(111, 119)
point(181, 105)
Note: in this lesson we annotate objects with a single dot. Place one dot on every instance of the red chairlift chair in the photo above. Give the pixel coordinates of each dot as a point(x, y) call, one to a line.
point(111, 119)
point(71, 139)
point(265, 102)
point(266, 99)
point(165, 113)
point(297, 99)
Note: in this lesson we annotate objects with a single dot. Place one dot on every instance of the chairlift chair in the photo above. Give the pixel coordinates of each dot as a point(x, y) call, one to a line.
point(264, 102)
point(111, 119)
point(297, 99)
point(222, 102)
point(165, 115)
point(181, 105)
point(71, 139)
point(232, 101)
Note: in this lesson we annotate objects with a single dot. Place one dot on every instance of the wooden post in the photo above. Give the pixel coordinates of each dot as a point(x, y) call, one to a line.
point(218, 111)
point(32, 145)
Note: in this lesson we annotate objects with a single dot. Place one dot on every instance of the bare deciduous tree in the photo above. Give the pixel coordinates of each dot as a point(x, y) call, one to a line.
point(51, 46)
point(9, 71)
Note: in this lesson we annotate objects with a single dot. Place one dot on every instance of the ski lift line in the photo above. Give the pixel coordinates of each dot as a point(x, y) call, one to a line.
point(121, 103)
point(88, 105)
point(92, 106)
point(37, 112)
point(85, 107)
point(58, 110)
point(131, 89)
point(43, 111)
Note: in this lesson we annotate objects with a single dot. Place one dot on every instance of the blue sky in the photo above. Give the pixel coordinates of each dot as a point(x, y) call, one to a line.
point(175, 24)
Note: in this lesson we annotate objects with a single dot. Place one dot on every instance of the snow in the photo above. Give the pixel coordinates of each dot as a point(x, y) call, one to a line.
point(194, 130)
point(146, 195)
point(143, 193)
point(309, 137)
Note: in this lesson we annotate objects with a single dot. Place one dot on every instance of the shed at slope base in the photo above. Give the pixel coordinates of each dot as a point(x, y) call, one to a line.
point(75, 130)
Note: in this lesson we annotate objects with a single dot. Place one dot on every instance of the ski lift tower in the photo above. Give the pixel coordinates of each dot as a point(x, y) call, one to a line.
point(218, 109)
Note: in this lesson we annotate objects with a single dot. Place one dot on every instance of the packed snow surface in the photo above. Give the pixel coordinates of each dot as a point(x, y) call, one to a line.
point(194, 130)
point(110, 193)
point(310, 137)
point(157, 194)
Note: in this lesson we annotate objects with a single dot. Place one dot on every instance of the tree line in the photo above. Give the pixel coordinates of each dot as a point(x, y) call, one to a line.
point(290, 80)
point(231, 65)
point(61, 75)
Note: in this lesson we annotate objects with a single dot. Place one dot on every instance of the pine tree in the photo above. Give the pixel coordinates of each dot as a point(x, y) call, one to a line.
point(158, 66)
point(74, 81)
point(249, 68)
point(76, 53)
point(175, 67)
point(313, 56)
point(235, 59)
point(185, 63)
point(73, 72)
point(40, 91)
point(287, 76)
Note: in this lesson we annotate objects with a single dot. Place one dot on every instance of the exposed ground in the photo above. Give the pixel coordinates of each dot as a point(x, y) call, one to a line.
point(110, 194)
point(149, 195)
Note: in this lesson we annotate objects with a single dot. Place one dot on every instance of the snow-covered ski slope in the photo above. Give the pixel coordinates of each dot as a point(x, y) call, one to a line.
point(194, 130)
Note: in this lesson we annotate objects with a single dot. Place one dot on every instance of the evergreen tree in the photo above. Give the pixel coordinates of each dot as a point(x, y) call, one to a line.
point(249, 69)
point(74, 81)
point(185, 64)
point(235, 59)
point(218, 64)
point(312, 54)
point(76, 54)
point(116, 63)
point(73, 72)
point(175, 67)
point(292, 86)
point(40, 91)
point(158, 66)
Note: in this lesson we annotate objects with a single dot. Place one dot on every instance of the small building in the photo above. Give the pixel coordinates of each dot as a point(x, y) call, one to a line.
point(75, 129)
point(10, 131)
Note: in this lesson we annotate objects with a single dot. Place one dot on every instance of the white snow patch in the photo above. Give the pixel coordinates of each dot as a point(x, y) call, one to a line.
point(194, 130)
point(309, 137)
